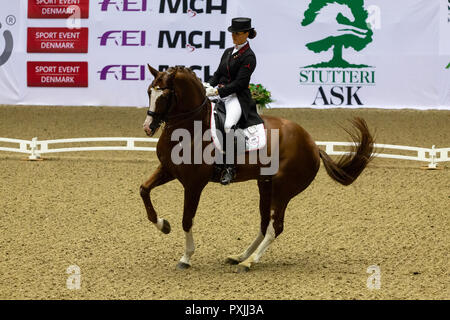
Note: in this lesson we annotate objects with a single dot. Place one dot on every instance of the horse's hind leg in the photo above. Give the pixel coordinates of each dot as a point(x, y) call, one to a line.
point(272, 226)
point(265, 191)
point(273, 230)
point(159, 177)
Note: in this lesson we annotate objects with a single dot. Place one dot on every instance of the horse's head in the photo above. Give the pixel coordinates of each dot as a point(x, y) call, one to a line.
point(161, 100)
point(166, 90)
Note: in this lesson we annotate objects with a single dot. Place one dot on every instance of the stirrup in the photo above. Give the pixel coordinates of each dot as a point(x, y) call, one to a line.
point(228, 174)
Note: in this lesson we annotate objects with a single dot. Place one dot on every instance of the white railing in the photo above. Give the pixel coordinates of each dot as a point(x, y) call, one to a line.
point(36, 148)
point(431, 156)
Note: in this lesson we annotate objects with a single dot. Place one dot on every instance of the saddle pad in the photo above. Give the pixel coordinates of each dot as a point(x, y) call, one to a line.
point(255, 136)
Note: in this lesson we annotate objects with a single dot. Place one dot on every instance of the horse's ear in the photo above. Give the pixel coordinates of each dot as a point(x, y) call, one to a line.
point(153, 71)
point(171, 77)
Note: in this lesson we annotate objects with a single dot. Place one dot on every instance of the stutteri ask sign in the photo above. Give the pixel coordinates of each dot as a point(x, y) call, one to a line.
point(351, 31)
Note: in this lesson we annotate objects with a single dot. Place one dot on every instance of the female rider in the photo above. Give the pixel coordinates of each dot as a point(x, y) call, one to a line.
point(232, 79)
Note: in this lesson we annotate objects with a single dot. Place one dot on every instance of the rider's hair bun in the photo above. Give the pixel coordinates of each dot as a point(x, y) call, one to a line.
point(251, 33)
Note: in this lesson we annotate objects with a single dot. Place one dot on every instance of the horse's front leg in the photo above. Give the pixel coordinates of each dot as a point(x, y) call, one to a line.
point(191, 200)
point(159, 177)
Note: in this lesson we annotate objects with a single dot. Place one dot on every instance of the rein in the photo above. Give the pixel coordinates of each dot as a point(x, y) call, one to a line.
point(192, 112)
point(159, 117)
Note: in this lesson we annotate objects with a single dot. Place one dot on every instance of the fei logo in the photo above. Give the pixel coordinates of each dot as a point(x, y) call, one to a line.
point(338, 25)
point(8, 46)
point(132, 72)
point(124, 72)
point(124, 38)
point(124, 5)
point(192, 7)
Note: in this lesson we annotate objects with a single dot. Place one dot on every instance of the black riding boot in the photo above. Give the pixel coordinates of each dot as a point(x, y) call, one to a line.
point(228, 169)
point(228, 174)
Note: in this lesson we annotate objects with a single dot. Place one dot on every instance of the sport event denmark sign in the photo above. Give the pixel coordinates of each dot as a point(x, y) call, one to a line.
point(57, 74)
point(56, 9)
point(58, 40)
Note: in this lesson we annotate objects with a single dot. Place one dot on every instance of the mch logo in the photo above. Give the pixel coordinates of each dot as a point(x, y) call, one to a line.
point(192, 40)
point(346, 27)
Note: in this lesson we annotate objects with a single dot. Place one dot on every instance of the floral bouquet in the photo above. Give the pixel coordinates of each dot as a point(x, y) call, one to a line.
point(261, 95)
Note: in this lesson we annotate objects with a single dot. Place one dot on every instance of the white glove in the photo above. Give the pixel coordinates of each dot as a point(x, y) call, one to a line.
point(210, 91)
point(206, 85)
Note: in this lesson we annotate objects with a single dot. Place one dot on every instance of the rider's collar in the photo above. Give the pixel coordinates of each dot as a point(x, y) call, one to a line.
point(239, 47)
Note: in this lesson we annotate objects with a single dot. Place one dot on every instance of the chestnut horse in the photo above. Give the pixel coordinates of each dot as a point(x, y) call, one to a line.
point(177, 98)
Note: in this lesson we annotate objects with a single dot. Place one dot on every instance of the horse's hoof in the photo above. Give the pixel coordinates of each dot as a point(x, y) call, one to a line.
point(232, 261)
point(166, 227)
point(242, 269)
point(183, 266)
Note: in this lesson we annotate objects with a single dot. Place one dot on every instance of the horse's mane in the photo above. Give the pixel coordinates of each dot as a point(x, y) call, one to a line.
point(184, 70)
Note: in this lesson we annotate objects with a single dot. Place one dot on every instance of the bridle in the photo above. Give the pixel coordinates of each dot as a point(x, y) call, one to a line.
point(164, 117)
point(160, 117)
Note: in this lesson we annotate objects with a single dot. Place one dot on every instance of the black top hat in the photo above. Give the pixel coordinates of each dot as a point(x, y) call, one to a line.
point(240, 24)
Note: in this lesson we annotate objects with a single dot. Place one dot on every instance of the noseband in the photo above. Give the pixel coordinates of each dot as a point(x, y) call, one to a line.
point(160, 117)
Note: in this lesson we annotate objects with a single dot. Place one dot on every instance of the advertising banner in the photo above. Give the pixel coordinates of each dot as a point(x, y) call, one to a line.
point(56, 9)
point(57, 74)
point(312, 53)
point(57, 40)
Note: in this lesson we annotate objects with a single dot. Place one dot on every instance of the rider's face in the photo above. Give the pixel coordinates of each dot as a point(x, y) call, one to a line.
point(239, 37)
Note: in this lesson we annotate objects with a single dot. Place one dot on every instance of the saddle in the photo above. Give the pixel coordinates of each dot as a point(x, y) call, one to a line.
point(254, 136)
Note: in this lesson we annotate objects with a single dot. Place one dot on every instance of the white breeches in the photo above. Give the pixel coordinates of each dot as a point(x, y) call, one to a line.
point(234, 111)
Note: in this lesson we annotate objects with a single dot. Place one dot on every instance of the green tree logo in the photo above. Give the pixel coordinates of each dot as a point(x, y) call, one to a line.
point(352, 32)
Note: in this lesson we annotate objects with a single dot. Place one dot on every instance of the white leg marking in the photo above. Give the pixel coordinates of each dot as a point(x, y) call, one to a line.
point(159, 224)
point(268, 239)
point(263, 246)
point(190, 248)
point(247, 253)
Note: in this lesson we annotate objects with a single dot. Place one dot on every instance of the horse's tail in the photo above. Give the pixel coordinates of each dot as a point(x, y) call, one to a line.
point(350, 166)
